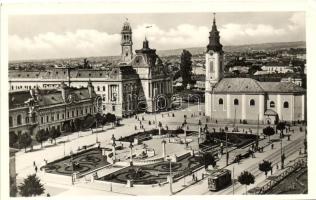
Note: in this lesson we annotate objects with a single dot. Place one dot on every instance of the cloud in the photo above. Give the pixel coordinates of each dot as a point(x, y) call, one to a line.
point(90, 42)
point(297, 21)
point(80, 43)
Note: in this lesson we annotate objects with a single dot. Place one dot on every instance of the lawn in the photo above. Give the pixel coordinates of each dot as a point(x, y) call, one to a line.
point(154, 173)
point(81, 162)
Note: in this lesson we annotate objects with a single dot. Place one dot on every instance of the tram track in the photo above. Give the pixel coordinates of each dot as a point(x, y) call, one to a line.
point(288, 149)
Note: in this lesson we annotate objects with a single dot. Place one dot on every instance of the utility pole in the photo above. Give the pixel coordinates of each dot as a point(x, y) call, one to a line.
point(233, 181)
point(257, 140)
point(282, 158)
point(170, 177)
point(226, 149)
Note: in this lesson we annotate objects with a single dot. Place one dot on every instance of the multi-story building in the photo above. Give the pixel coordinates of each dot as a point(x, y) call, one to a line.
point(35, 109)
point(247, 99)
point(139, 83)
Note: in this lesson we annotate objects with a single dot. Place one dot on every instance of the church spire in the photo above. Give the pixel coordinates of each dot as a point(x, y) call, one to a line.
point(214, 38)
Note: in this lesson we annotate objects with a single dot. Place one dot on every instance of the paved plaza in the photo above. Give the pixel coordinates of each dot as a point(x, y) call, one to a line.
point(70, 144)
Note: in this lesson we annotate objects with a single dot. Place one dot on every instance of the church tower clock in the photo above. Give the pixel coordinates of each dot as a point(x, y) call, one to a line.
point(126, 43)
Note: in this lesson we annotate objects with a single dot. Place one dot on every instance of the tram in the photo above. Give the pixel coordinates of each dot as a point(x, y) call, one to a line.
point(219, 179)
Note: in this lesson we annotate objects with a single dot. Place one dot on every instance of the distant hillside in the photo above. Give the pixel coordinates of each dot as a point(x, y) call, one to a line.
point(239, 48)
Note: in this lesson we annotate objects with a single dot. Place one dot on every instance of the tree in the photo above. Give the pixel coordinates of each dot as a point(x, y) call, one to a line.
point(265, 167)
point(53, 133)
point(31, 186)
point(25, 140)
point(209, 160)
point(77, 124)
point(41, 136)
point(246, 178)
point(13, 138)
point(110, 118)
point(254, 68)
point(268, 131)
point(186, 67)
point(280, 126)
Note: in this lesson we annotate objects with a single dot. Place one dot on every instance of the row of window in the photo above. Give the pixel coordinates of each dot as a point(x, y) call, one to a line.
point(51, 118)
point(253, 103)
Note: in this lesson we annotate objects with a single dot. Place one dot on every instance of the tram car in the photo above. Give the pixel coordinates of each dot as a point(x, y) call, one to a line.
point(219, 179)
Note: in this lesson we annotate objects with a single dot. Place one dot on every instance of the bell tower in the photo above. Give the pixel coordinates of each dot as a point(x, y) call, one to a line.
point(214, 67)
point(214, 59)
point(126, 43)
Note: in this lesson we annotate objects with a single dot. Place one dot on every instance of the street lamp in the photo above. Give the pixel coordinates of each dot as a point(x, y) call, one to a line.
point(282, 156)
point(200, 124)
point(170, 176)
point(96, 137)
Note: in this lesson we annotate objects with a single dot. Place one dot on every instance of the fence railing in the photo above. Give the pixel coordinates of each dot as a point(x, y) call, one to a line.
point(267, 185)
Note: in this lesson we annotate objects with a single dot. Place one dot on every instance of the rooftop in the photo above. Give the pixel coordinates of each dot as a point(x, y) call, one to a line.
point(249, 85)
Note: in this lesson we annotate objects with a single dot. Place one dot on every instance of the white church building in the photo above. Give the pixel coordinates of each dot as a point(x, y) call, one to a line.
point(246, 99)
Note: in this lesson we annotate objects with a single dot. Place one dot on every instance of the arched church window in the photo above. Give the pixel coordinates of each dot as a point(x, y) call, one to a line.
point(19, 120)
point(236, 102)
point(286, 104)
point(220, 101)
point(252, 102)
point(272, 104)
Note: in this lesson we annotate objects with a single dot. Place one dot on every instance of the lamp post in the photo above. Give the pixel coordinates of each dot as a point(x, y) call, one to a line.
point(96, 137)
point(226, 147)
point(170, 176)
point(64, 149)
point(131, 152)
point(282, 156)
point(163, 142)
point(200, 124)
point(159, 128)
point(184, 126)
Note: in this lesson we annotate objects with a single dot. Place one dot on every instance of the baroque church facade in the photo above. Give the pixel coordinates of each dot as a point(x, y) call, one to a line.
point(246, 99)
point(139, 83)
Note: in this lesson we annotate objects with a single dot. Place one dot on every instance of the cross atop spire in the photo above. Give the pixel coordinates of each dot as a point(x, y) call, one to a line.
point(214, 19)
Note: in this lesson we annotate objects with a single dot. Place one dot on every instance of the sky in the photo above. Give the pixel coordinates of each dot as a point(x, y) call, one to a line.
point(85, 35)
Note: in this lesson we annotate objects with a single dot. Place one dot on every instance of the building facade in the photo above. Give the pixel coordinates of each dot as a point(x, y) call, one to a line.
point(35, 109)
point(246, 99)
point(139, 83)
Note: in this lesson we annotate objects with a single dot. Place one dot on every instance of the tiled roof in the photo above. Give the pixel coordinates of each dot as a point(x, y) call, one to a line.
point(270, 112)
point(47, 97)
point(238, 85)
point(281, 87)
point(62, 73)
point(17, 99)
point(248, 85)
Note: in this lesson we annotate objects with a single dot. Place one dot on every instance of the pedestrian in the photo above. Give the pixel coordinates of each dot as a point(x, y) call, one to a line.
point(34, 164)
point(193, 178)
point(35, 169)
point(272, 145)
point(277, 166)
